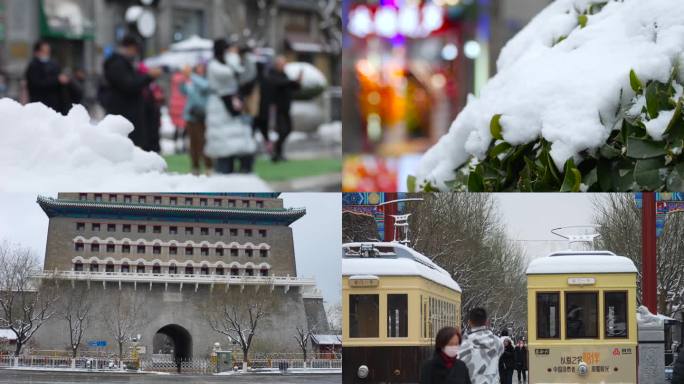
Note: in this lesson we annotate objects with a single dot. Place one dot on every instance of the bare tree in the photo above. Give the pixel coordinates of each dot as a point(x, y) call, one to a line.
point(25, 302)
point(333, 312)
point(303, 336)
point(237, 317)
point(122, 318)
point(358, 227)
point(619, 221)
point(76, 312)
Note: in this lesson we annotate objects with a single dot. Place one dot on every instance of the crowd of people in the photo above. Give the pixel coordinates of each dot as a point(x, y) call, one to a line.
point(477, 356)
point(219, 106)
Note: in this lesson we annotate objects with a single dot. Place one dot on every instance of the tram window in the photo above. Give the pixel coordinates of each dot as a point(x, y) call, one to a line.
point(548, 315)
point(616, 314)
point(397, 315)
point(363, 316)
point(581, 315)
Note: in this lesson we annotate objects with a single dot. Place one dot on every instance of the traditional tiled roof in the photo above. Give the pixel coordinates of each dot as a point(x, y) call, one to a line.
point(78, 208)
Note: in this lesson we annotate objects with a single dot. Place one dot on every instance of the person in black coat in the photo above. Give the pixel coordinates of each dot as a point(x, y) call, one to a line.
point(678, 373)
point(521, 361)
point(277, 90)
point(507, 362)
point(45, 80)
point(444, 367)
point(123, 93)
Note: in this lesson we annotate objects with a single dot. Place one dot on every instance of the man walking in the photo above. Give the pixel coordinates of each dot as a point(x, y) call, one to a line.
point(125, 85)
point(277, 91)
point(45, 80)
point(481, 349)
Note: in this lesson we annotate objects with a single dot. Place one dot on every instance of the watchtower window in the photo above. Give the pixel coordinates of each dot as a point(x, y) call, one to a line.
point(173, 269)
point(189, 270)
point(189, 230)
point(203, 202)
point(173, 230)
point(218, 231)
point(156, 249)
point(188, 201)
point(125, 248)
point(110, 248)
point(95, 227)
point(615, 311)
point(80, 227)
point(219, 251)
point(126, 228)
point(220, 271)
point(581, 315)
point(204, 270)
point(141, 249)
point(249, 272)
point(548, 315)
point(234, 272)
point(364, 316)
point(249, 252)
point(109, 267)
point(125, 268)
point(78, 247)
point(78, 266)
point(173, 250)
point(263, 252)
point(156, 269)
point(204, 231)
point(264, 271)
point(234, 252)
point(94, 247)
point(204, 251)
point(111, 227)
point(156, 229)
point(217, 202)
point(140, 268)
point(188, 251)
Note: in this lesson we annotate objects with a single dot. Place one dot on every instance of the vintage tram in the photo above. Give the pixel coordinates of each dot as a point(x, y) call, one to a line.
point(394, 302)
point(582, 318)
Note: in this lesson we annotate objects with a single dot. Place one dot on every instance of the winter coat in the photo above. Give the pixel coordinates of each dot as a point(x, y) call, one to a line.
point(226, 135)
point(480, 351)
point(277, 89)
point(124, 93)
point(42, 80)
point(177, 100)
point(433, 371)
point(507, 359)
point(678, 374)
point(520, 358)
point(196, 91)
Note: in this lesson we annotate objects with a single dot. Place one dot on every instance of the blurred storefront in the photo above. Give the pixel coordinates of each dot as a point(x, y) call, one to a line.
point(408, 68)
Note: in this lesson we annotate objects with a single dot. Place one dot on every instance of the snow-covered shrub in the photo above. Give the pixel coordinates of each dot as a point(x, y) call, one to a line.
point(587, 97)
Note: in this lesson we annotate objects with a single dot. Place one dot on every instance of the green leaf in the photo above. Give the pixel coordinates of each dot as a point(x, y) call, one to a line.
point(582, 20)
point(475, 183)
point(647, 173)
point(676, 118)
point(638, 148)
point(609, 152)
point(498, 149)
point(652, 100)
point(572, 179)
point(674, 181)
point(411, 183)
point(634, 81)
point(495, 127)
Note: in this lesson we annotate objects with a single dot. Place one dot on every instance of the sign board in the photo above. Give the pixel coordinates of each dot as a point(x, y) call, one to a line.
point(666, 202)
point(581, 281)
point(604, 363)
point(363, 283)
point(97, 343)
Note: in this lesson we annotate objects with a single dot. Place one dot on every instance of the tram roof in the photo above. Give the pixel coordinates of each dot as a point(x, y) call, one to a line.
point(581, 262)
point(401, 260)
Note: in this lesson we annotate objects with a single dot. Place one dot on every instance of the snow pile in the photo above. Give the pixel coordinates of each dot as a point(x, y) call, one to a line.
point(562, 78)
point(313, 80)
point(43, 150)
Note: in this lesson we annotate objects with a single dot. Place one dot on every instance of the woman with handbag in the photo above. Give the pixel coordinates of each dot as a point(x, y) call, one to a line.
point(229, 139)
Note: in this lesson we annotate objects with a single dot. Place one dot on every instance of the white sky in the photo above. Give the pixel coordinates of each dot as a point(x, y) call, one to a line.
point(531, 216)
point(317, 235)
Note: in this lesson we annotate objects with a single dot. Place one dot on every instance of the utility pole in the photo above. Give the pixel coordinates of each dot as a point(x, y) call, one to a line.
point(649, 284)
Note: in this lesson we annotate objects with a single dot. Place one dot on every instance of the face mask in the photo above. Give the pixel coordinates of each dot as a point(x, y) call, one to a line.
point(450, 350)
point(44, 59)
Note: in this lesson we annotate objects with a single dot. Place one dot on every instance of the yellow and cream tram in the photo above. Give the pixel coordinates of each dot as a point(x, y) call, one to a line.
point(394, 302)
point(582, 318)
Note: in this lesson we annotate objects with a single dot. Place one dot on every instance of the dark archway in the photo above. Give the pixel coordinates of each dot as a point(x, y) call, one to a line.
point(174, 339)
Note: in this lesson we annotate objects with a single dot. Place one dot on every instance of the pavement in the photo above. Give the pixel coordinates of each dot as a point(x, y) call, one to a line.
point(40, 377)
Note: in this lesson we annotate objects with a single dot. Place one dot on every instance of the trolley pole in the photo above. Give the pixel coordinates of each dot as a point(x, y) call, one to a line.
point(648, 252)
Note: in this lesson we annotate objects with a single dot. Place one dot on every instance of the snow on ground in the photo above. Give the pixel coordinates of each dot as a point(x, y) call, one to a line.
point(43, 150)
point(568, 92)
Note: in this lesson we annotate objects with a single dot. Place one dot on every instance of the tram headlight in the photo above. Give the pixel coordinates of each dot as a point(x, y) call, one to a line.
point(582, 369)
point(362, 372)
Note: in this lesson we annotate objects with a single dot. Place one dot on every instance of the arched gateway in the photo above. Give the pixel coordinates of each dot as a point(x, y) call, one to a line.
point(173, 340)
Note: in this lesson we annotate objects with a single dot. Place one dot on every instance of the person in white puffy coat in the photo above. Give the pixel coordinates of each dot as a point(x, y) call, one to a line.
point(229, 138)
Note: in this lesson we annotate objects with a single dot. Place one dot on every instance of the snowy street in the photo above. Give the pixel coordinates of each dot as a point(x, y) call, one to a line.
point(36, 377)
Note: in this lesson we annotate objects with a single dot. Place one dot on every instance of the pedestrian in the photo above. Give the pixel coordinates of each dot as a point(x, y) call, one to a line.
point(153, 100)
point(45, 80)
point(507, 361)
point(196, 89)
point(678, 374)
point(480, 349)
point(278, 93)
point(521, 361)
point(444, 367)
point(123, 92)
point(177, 102)
point(76, 87)
point(228, 139)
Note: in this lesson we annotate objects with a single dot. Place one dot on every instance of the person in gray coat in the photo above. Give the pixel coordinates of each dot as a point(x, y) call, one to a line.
point(678, 374)
point(229, 138)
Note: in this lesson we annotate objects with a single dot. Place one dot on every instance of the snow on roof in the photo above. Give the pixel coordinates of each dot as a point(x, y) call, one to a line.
point(566, 92)
point(7, 334)
point(327, 339)
point(581, 262)
point(42, 150)
point(402, 261)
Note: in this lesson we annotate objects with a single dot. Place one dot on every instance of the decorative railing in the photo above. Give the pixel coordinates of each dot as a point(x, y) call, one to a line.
point(176, 278)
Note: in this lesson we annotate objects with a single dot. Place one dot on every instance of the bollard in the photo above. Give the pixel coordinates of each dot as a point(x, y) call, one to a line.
point(652, 352)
